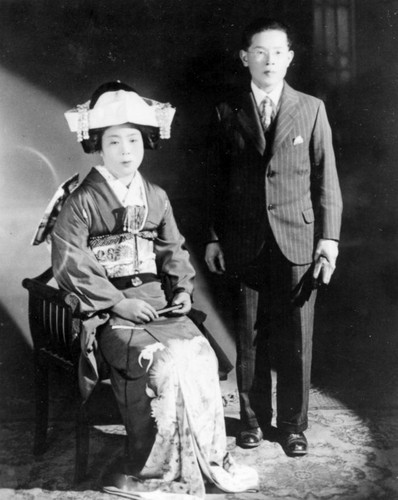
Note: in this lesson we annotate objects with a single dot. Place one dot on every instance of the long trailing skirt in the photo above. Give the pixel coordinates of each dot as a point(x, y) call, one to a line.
point(165, 378)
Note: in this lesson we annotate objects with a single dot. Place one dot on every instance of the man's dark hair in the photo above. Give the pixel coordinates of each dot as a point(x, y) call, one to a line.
point(264, 24)
point(93, 144)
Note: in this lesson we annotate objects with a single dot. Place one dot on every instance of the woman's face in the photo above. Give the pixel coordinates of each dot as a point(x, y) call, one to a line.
point(122, 150)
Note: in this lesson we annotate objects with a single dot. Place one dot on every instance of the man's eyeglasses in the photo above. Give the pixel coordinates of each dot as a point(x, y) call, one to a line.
point(260, 54)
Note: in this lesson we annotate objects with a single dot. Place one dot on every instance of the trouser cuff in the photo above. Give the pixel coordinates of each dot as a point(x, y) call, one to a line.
point(251, 423)
point(290, 427)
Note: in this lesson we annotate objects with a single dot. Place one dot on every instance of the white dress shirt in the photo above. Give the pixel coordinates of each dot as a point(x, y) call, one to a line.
point(274, 95)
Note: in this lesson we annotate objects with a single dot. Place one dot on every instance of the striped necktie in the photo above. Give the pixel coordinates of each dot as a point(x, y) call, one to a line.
point(266, 110)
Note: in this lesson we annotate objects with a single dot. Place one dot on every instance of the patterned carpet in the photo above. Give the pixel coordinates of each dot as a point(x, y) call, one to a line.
point(352, 457)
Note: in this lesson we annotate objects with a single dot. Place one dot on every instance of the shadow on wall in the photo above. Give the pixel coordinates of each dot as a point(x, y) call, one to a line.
point(355, 341)
point(16, 369)
point(355, 345)
point(32, 164)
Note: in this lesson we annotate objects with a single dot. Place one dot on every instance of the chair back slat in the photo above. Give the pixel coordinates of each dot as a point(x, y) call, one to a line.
point(63, 326)
point(52, 314)
point(42, 319)
point(54, 320)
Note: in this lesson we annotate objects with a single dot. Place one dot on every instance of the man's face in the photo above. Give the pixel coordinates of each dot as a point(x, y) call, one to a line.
point(268, 58)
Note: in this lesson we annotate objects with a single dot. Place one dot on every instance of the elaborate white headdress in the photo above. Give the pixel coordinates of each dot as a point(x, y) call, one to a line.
point(118, 107)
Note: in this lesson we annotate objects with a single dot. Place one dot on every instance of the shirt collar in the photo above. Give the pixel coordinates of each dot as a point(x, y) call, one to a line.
point(274, 95)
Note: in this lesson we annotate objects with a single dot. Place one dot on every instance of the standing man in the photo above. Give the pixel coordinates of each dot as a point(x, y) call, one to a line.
point(275, 211)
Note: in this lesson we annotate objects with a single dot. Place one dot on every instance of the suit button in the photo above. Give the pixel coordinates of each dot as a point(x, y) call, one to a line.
point(271, 173)
point(271, 206)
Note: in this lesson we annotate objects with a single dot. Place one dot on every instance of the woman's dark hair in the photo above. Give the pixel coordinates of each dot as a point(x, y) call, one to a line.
point(264, 24)
point(150, 135)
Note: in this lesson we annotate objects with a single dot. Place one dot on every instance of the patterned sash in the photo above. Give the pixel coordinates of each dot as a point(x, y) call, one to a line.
point(119, 253)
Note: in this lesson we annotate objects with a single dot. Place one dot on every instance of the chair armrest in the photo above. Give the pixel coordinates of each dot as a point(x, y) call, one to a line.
point(39, 288)
point(46, 276)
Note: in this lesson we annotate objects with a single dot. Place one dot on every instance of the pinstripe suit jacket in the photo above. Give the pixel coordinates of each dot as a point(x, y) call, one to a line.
point(285, 180)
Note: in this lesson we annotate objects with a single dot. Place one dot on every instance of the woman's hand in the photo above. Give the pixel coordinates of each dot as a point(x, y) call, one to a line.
point(135, 310)
point(182, 298)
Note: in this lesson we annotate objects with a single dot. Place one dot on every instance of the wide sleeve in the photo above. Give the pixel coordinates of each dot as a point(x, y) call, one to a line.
point(74, 264)
point(326, 187)
point(171, 255)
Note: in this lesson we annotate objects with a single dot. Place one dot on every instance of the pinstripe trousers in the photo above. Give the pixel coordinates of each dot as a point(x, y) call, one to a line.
point(274, 331)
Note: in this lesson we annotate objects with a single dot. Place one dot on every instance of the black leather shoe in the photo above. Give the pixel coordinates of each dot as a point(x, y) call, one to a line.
point(294, 444)
point(249, 438)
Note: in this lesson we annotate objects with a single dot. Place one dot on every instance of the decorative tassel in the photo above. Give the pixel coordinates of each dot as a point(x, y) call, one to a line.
point(83, 123)
point(132, 220)
point(164, 116)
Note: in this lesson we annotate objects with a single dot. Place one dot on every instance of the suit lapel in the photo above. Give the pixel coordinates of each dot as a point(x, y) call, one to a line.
point(285, 117)
point(250, 121)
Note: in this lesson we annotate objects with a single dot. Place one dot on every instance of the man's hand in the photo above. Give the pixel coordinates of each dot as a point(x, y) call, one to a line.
point(182, 298)
point(214, 258)
point(325, 260)
point(135, 310)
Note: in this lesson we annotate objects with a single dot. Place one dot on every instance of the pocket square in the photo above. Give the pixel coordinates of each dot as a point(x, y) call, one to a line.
point(298, 140)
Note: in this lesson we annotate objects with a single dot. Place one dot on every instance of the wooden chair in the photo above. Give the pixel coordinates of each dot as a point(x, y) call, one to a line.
point(55, 324)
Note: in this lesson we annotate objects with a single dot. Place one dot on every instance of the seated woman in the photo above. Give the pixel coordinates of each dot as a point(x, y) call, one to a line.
point(113, 242)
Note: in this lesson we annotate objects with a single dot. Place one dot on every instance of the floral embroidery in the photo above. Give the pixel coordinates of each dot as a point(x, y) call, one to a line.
point(186, 405)
point(148, 352)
